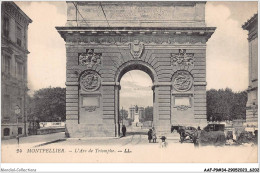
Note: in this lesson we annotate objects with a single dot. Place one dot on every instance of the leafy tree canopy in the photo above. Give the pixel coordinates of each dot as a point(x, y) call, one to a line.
point(123, 113)
point(224, 104)
point(48, 105)
point(148, 111)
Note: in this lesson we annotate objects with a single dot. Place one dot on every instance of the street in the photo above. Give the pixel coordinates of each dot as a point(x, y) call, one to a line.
point(134, 147)
point(34, 139)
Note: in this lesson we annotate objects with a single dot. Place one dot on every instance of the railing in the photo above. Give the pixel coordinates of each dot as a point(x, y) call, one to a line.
point(52, 124)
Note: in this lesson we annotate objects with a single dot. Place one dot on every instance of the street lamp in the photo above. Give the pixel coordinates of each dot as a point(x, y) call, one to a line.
point(122, 116)
point(17, 111)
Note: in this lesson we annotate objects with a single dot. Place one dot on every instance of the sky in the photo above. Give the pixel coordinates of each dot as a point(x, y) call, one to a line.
point(228, 47)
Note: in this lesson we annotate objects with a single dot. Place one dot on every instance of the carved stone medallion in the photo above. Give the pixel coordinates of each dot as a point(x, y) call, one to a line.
point(182, 80)
point(90, 58)
point(182, 58)
point(136, 49)
point(90, 81)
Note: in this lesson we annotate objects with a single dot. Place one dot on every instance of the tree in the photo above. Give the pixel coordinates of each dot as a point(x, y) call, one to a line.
point(48, 105)
point(148, 112)
point(239, 107)
point(225, 105)
point(123, 113)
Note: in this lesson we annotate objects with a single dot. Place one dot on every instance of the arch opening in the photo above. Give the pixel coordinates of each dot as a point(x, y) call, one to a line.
point(136, 65)
point(136, 100)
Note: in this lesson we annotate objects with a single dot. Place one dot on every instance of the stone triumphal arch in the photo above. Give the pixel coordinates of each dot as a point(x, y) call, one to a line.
point(104, 40)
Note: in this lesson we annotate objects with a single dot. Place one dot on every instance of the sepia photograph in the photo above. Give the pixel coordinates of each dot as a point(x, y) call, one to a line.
point(130, 82)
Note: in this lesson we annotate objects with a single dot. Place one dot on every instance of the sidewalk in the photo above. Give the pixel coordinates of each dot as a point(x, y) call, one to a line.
point(34, 139)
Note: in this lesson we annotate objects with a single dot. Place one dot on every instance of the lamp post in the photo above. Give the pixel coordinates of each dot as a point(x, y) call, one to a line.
point(122, 116)
point(17, 111)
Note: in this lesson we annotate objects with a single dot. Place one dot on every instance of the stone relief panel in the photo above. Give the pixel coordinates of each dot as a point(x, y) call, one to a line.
point(136, 49)
point(182, 58)
point(90, 80)
point(90, 58)
point(90, 103)
point(148, 40)
point(182, 80)
point(182, 102)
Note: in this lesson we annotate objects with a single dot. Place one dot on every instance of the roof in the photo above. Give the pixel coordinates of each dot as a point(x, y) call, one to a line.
point(250, 21)
point(29, 20)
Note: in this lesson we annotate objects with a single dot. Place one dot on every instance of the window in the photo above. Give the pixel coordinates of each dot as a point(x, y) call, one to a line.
point(6, 26)
point(20, 130)
point(7, 63)
point(20, 102)
point(6, 104)
point(6, 132)
point(19, 42)
point(24, 38)
point(19, 36)
point(19, 70)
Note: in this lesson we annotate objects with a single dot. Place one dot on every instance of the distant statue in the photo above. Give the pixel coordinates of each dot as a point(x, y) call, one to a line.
point(136, 109)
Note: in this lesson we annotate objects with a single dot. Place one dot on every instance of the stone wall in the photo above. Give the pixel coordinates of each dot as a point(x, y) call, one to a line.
point(252, 104)
point(159, 63)
point(136, 14)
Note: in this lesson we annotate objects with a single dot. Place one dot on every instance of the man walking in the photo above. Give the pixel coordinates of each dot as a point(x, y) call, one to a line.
point(154, 135)
point(150, 135)
point(124, 130)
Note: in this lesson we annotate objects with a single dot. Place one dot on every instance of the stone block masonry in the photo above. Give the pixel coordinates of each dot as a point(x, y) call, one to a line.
point(98, 55)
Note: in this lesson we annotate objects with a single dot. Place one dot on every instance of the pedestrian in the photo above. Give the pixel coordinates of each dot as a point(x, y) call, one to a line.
point(123, 130)
point(172, 128)
point(154, 135)
point(196, 137)
point(164, 143)
point(182, 135)
point(17, 137)
point(256, 132)
point(150, 135)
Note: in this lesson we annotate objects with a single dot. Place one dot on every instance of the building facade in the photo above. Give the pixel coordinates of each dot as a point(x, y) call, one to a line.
point(105, 40)
point(14, 51)
point(252, 104)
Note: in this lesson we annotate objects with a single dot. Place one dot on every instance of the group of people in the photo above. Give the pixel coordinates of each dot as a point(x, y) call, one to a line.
point(152, 135)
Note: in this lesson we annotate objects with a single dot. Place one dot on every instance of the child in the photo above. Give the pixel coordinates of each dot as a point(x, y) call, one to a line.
point(164, 143)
